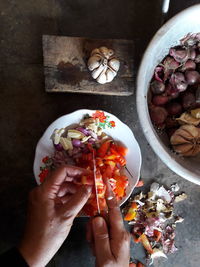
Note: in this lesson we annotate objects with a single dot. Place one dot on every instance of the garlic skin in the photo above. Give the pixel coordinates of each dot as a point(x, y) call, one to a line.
point(103, 65)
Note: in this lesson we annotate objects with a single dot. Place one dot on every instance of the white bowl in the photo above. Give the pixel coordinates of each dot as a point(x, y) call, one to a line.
point(167, 36)
point(121, 132)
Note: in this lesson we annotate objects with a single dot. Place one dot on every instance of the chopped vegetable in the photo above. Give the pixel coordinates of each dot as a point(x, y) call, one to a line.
point(101, 152)
point(82, 146)
point(131, 214)
point(146, 244)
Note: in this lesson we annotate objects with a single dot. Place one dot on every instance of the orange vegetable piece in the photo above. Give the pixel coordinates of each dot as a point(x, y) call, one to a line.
point(111, 163)
point(121, 160)
point(131, 214)
point(140, 183)
point(132, 264)
point(136, 239)
point(122, 150)
point(139, 264)
point(146, 244)
point(101, 152)
point(157, 235)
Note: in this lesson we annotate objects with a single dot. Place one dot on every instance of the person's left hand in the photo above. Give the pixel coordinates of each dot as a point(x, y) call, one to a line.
point(52, 209)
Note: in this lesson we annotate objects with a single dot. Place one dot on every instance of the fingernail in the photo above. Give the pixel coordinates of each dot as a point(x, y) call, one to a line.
point(88, 188)
point(98, 222)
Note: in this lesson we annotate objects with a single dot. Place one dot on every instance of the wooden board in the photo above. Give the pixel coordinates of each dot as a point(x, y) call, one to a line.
point(65, 65)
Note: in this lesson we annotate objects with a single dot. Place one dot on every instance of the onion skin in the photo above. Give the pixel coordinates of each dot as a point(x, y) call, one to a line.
point(178, 81)
point(189, 65)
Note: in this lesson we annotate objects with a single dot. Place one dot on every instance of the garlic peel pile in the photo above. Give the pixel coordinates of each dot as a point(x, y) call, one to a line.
point(103, 64)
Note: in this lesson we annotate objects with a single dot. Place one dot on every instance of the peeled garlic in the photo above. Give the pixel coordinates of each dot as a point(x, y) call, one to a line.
point(103, 64)
point(75, 134)
point(57, 135)
point(66, 143)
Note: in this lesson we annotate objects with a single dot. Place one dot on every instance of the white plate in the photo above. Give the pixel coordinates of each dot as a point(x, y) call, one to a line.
point(120, 132)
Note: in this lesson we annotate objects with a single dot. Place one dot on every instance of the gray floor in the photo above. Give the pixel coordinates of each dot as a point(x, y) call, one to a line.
point(26, 110)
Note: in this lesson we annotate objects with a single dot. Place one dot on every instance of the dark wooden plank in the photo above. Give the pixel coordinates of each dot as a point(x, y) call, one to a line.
point(65, 65)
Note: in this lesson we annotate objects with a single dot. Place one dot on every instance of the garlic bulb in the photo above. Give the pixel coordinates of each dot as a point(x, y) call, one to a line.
point(103, 64)
point(186, 140)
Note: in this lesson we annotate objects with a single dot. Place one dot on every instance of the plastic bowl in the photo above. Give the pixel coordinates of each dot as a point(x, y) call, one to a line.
point(187, 21)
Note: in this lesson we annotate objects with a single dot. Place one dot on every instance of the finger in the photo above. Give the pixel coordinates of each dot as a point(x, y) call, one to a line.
point(101, 240)
point(114, 214)
point(66, 198)
point(89, 236)
point(70, 209)
point(60, 175)
point(65, 188)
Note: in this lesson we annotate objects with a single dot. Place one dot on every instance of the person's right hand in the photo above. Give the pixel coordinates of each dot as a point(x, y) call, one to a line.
point(110, 241)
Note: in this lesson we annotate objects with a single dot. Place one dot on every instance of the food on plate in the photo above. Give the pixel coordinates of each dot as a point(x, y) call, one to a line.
point(174, 95)
point(86, 145)
point(103, 64)
point(153, 219)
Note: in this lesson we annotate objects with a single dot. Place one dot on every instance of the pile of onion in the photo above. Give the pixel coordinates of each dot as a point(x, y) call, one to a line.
point(174, 94)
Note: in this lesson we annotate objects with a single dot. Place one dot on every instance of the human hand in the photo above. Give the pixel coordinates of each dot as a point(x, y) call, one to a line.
point(110, 240)
point(52, 208)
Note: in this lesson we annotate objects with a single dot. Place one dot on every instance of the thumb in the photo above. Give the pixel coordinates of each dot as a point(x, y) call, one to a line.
point(70, 209)
point(101, 241)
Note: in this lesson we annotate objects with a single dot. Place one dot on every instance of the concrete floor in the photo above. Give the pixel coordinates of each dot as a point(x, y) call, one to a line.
point(26, 110)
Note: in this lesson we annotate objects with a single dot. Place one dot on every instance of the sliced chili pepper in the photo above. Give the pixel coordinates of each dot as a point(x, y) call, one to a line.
point(140, 183)
point(101, 152)
point(122, 150)
point(146, 244)
point(136, 239)
point(131, 214)
point(121, 161)
point(110, 157)
point(157, 235)
point(111, 163)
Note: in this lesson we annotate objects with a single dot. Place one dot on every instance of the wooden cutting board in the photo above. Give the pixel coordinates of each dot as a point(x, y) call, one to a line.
point(65, 65)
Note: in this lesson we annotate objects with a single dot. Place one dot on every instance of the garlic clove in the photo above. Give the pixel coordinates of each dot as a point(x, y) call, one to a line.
point(110, 75)
point(96, 73)
point(195, 151)
point(178, 139)
point(185, 149)
point(94, 62)
point(95, 51)
point(106, 52)
point(192, 130)
point(114, 64)
point(102, 77)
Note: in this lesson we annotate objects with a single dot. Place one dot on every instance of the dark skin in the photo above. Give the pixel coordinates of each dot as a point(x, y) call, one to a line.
point(53, 207)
